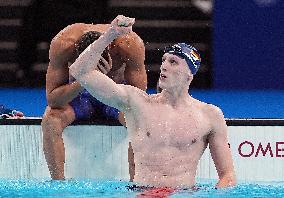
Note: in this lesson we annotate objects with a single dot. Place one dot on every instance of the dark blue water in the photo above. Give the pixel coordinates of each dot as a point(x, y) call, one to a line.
point(91, 188)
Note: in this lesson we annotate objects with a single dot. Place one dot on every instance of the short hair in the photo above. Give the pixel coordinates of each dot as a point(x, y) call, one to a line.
point(86, 39)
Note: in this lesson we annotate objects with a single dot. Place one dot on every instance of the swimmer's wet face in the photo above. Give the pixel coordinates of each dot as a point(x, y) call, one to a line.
point(187, 52)
point(87, 39)
point(189, 55)
point(174, 72)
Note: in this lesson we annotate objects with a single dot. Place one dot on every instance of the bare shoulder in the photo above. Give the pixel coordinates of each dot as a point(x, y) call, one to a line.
point(215, 117)
point(213, 111)
point(130, 40)
point(135, 91)
point(129, 46)
point(68, 31)
point(136, 95)
point(62, 45)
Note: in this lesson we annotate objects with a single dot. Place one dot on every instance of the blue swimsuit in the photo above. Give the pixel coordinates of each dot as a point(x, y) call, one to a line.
point(86, 106)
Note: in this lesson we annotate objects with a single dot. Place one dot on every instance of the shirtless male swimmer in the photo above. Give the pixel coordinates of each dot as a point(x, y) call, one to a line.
point(122, 61)
point(169, 131)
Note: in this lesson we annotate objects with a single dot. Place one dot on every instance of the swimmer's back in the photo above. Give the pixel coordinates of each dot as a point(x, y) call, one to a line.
point(62, 47)
point(62, 53)
point(128, 49)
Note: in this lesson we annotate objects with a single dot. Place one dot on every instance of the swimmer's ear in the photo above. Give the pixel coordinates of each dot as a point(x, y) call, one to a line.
point(189, 77)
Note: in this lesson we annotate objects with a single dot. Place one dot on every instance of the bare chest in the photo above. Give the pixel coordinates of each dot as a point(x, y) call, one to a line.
point(174, 128)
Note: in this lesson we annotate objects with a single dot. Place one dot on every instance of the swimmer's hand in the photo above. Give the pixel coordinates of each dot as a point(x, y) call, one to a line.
point(122, 25)
point(104, 66)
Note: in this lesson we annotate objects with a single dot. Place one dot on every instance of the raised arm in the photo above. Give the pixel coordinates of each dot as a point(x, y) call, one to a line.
point(84, 69)
point(219, 148)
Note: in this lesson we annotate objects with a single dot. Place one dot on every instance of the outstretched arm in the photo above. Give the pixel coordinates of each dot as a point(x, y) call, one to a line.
point(219, 149)
point(84, 69)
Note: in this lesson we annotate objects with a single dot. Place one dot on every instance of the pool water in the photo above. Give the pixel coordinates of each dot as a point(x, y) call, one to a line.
point(92, 188)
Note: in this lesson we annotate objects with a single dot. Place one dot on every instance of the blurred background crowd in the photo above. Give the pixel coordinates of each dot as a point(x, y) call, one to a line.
point(241, 43)
point(28, 27)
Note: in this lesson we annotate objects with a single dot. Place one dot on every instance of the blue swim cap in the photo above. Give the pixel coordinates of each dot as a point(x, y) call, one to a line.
point(187, 52)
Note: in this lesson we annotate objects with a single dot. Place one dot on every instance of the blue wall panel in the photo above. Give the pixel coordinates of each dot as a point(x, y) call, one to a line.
point(248, 43)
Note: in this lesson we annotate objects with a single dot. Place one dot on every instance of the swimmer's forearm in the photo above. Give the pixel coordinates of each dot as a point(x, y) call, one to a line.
point(104, 89)
point(63, 94)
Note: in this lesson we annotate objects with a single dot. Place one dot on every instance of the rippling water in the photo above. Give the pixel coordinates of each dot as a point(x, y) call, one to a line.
point(91, 188)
